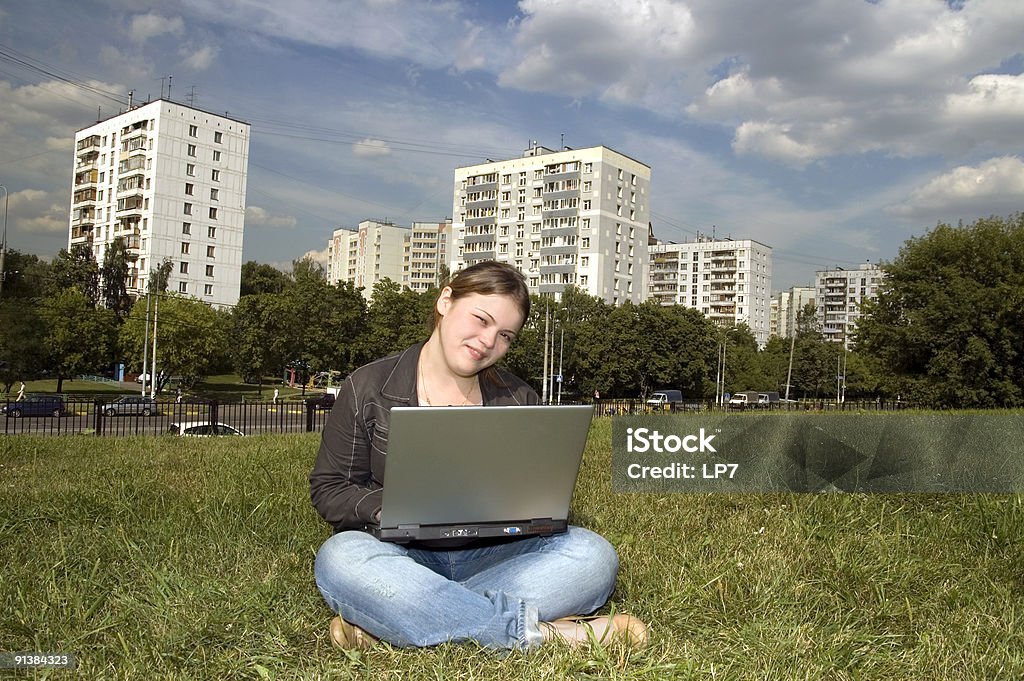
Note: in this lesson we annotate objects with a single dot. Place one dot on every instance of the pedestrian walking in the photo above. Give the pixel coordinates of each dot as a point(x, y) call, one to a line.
point(21, 392)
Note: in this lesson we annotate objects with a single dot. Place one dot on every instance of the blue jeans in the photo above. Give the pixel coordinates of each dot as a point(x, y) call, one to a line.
point(495, 595)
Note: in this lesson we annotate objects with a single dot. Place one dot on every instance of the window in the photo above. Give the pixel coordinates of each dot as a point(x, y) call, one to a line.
point(182, 287)
point(213, 194)
point(186, 228)
point(216, 156)
point(188, 208)
point(190, 169)
point(215, 175)
point(218, 137)
point(209, 251)
point(208, 289)
point(183, 268)
point(192, 150)
point(184, 247)
point(193, 131)
point(213, 213)
point(189, 188)
point(209, 270)
point(211, 232)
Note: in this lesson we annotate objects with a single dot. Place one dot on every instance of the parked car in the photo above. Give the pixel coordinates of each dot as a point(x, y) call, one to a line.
point(35, 405)
point(744, 399)
point(202, 429)
point(665, 400)
point(143, 377)
point(325, 401)
point(131, 404)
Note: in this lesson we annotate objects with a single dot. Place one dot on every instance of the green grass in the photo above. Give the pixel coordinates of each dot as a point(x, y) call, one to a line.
point(192, 559)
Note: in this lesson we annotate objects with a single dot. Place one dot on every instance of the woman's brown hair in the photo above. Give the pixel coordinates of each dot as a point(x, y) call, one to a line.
point(489, 278)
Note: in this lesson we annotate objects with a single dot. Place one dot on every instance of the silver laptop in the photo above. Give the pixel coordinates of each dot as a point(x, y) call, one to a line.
point(481, 472)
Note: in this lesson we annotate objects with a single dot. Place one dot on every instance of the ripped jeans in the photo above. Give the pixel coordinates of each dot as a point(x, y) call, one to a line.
point(495, 595)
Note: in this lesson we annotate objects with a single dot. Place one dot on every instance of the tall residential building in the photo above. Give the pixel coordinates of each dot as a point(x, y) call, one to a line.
point(367, 255)
point(786, 306)
point(170, 180)
point(728, 280)
point(840, 293)
point(571, 217)
point(427, 247)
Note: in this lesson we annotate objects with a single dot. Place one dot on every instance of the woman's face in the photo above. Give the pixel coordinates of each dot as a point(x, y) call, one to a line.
point(476, 330)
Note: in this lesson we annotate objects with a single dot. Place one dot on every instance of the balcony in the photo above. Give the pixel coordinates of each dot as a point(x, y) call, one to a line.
point(86, 177)
point(84, 196)
point(93, 141)
point(82, 232)
point(558, 231)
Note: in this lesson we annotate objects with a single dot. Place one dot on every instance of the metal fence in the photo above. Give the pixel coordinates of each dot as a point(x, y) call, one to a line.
point(87, 416)
point(633, 406)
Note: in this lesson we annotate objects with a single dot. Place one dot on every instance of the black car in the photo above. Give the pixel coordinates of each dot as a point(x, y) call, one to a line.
point(34, 405)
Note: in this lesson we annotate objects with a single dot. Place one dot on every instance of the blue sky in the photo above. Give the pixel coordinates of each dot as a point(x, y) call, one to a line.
point(832, 131)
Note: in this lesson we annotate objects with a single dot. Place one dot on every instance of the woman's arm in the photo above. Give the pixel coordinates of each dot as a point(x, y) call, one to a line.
point(341, 485)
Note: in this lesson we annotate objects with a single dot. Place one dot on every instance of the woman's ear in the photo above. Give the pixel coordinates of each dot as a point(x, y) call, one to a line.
point(444, 301)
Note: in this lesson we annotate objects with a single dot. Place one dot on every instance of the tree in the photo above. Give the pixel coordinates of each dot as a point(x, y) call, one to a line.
point(326, 323)
point(26, 275)
point(79, 337)
point(395, 320)
point(947, 327)
point(262, 278)
point(21, 353)
point(114, 276)
point(260, 336)
point(638, 348)
point(159, 276)
point(192, 337)
point(76, 268)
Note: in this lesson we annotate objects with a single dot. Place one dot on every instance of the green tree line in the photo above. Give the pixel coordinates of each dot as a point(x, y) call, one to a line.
point(945, 330)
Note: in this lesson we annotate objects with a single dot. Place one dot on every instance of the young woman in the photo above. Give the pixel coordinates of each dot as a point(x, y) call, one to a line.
point(502, 594)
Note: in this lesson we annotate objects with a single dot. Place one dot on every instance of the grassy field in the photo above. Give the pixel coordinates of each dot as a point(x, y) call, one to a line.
point(192, 559)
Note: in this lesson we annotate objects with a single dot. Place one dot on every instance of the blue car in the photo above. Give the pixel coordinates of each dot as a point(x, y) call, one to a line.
point(34, 405)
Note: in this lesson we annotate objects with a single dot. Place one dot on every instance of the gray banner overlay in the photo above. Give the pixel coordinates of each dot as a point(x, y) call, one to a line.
point(957, 452)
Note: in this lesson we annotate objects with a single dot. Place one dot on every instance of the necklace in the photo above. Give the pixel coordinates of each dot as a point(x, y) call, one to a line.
point(466, 398)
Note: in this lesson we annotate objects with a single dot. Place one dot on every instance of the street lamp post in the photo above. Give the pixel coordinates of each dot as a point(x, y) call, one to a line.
point(3, 244)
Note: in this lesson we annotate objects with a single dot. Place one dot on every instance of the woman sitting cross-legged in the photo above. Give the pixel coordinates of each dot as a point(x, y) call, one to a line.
point(502, 594)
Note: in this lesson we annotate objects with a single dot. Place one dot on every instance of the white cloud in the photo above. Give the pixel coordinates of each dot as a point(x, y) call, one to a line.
point(259, 217)
point(370, 148)
point(200, 59)
point(422, 32)
point(619, 51)
point(146, 26)
point(994, 187)
point(774, 140)
point(316, 256)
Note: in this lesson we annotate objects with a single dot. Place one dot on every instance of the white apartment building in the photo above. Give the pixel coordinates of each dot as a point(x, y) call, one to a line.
point(840, 293)
point(427, 248)
point(170, 180)
point(369, 254)
point(571, 217)
point(786, 306)
point(728, 280)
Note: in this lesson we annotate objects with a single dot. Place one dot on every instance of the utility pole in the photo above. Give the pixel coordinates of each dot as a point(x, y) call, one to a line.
point(152, 374)
point(544, 389)
point(145, 342)
point(789, 374)
point(561, 378)
point(3, 244)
